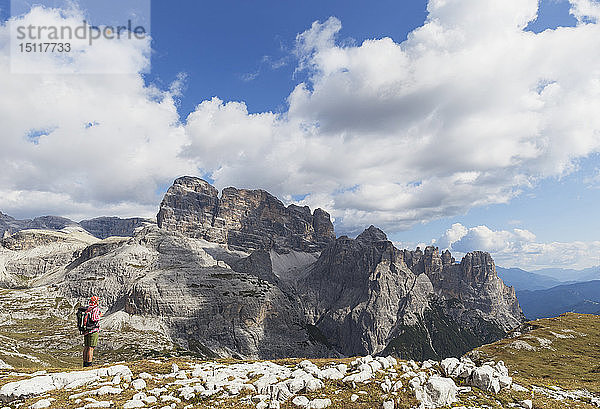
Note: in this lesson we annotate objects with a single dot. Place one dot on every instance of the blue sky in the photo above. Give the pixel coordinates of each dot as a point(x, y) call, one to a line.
point(250, 52)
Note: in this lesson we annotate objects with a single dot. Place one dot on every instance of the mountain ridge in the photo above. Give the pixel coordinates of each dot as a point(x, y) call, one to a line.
point(244, 276)
point(100, 227)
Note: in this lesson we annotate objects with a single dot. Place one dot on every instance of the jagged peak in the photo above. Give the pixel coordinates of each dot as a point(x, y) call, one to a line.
point(372, 234)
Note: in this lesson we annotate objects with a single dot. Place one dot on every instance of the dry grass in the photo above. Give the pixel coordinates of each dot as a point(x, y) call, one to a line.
point(570, 363)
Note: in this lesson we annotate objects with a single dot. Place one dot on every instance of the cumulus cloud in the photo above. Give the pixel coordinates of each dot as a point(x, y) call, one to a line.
point(518, 247)
point(470, 110)
point(85, 145)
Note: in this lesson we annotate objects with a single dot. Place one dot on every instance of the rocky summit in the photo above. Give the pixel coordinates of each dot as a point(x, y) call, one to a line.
point(366, 296)
point(242, 275)
point(243, 219)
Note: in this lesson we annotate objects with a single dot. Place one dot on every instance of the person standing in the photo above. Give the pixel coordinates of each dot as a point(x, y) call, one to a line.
point(91, 323)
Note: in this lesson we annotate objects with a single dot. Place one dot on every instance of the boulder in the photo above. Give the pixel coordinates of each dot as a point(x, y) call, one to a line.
point(439, 391)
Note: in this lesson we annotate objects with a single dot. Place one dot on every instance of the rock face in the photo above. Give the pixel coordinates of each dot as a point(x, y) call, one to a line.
point(103, 227)
point(366, 296)
point(28, 254)
point(292, 291)
point(10, 225)
point(206, 305)
point(243, 219)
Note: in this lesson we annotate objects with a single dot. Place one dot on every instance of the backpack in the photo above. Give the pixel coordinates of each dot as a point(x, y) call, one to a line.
point(84, 320)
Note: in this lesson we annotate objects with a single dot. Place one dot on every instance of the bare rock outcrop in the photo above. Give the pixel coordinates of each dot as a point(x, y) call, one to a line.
point(28, 254)
point(366, 296)
point(100, 227)
point(10, 225)
point(243, 219)
point(103, 227)
point(207, 306)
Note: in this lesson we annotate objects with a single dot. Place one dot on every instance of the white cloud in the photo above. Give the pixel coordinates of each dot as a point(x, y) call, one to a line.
point(103, 144)
point(470, 110)
point(518, 248)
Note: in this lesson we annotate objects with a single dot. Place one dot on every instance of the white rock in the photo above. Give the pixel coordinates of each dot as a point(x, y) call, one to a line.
point(385, 364)
point(262, 405)
point(518, 388)
point(388, 404)
point(439, 391)
point(505, 381)
point(354, 397)
point(107, 390)
point(38, 385)
point(131, 404)
point(139, 396)
point(150, 399)
point(485, 378)
point(145, 375)
point(331, 373)
point(274, 404)
point(168, 398)
point(296, 385)
point(139, 384)
point(41, 404)
point(313, 385)
point(320, 403)
point(375, 365)
point(281, 392)
point(301, 401)
point(526, 404)
point(397, 386)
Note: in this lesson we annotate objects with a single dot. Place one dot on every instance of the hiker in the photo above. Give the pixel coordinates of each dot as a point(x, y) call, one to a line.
point(89, 326)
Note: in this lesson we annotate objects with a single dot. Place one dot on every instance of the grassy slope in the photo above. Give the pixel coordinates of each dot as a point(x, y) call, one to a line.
point(38, 330)
point(571, 360)
point(567, 355)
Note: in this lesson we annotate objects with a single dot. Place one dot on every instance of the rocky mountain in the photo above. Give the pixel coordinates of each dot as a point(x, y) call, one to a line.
point(101, 227)
point(243, 219)
point(242, 275)
point(10, 225)
point(366, 296)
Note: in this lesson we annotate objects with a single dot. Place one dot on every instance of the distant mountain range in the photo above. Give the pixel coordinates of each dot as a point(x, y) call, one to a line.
point(545, 278)
point(579, 297)
point(568, 274)
point(100, 227)
point(542, 294)
point(526, 280)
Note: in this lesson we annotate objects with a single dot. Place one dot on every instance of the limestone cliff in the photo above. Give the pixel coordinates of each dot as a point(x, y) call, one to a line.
point(366, 296)
point(103, 227)
point(243, 275)
point(243, 219)
point(100, 227)
point(206, 305)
